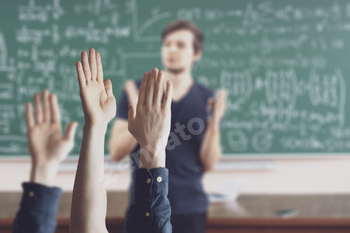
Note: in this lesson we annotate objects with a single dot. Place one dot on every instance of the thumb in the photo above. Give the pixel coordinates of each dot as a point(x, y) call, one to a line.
point(108, 87)
point(70, 131)
point(131, 116)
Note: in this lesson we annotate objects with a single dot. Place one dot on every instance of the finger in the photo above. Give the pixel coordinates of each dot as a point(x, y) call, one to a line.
point(29, 115)
point(143, 90)
point(99, 67)
point(108, 88)
point(70, 131)
point(131, 116)
point(168, 96)
point(134, 89)
point(225, 98)
point(131, 92)
point(55, 110)
point(224, 94)
point(81, 75)
point(128, 89)
point(159, 90)
point(86, 67)
point(92, 63)
point(151, 87)
point(46, 106)
point(38, 109)
point(220, 102)
point(131, 88)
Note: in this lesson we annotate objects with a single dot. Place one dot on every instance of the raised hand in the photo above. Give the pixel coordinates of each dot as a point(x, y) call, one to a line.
point(219, 106)
point(89, 204)
point(150, 123)
point(96, 94)
point(46, 144)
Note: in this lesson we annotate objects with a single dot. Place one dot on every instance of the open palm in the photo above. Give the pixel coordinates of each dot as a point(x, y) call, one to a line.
point(45, 140)
point(98, 101)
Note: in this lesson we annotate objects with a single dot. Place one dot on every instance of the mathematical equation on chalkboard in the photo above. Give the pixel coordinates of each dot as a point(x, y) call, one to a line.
point(284, 64)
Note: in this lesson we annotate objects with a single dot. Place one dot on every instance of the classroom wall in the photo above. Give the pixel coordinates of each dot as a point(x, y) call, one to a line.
point(290, 176)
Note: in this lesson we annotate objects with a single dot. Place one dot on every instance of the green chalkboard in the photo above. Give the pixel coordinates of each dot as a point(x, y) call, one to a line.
point(286, 64)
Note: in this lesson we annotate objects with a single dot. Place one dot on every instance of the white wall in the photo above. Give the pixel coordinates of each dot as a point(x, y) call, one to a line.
point(293, 176)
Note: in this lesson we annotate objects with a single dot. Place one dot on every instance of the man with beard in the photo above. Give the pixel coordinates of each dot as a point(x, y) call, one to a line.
point(194, 141)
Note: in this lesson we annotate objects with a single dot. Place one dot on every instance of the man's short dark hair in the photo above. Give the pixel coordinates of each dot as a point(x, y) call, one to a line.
point(186, 25)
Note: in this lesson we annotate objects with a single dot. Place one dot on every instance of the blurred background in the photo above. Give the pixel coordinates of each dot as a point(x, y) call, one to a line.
point(285, 134)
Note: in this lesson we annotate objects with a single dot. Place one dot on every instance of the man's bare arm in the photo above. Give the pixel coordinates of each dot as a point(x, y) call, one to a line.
point(121, 142)
point(89, 202)
point(211, 151)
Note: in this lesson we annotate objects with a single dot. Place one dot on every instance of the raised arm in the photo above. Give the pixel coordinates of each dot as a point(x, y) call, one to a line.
point(121, 142)
point(89, 196)
point(48, 148)
point(211, 151)
point(150, 125)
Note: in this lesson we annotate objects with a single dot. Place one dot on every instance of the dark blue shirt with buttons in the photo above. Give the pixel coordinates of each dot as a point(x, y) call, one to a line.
point(188, 123)
point(38, 209)
point(150, 211)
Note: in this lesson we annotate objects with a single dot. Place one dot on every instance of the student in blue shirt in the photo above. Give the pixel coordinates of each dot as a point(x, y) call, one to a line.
point(48, 148)
point(149, 124)
point(194, 142)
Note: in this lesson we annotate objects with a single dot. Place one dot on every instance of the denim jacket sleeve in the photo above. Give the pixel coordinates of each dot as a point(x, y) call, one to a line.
point(38, 209)
point(151, 209)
